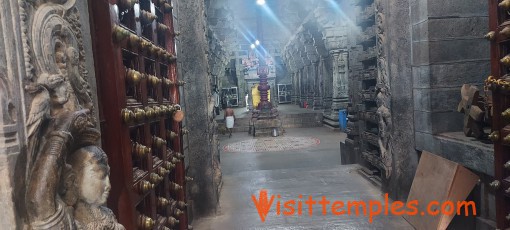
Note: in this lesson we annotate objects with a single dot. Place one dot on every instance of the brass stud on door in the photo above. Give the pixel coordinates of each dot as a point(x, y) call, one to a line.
point(490, 36)
point(505, 4)
point(494, 136)
point(505, 60)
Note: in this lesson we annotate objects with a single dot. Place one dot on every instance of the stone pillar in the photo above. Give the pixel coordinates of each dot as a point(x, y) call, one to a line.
point(317, 98)
point(340, 82)
point(327, 85)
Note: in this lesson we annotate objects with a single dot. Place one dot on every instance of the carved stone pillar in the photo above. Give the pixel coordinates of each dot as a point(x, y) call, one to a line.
point(340, 82)
point(317, 97)
point(327, 86)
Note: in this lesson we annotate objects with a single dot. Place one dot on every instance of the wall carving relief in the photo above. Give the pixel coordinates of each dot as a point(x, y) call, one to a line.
point(66, 172)
point(383, 93)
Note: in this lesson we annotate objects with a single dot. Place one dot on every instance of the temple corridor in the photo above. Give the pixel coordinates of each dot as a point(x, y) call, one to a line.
point(311, 170)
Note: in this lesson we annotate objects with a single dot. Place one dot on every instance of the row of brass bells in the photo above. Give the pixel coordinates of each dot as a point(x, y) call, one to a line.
point(119, 34)
point(134, 77)
point(175, 187)
point(168, 165)
point(141, 150)
point(167, 82)
point(158, 142)
point(147, 17)
point(155, 178)
point(145, 222)
point(144, 186)
point(126, 4)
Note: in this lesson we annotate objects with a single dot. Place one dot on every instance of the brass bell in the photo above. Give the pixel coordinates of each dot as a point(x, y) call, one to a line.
point(181, 204)
point(133, 76)
point(128, 116)
point(171, 135)
point(506, 114)
point(167, 8)
point(141, 150)
point(506, 140)
point(175, 160)
point(145, 44)
point(507, 165)
point(157, 111)
point(161, 52)
point(505, 60)
point(154, 81)
point(145, 223)
point(162, 27)
point(505, 4)
point(171, 58)
point(139, 114)
point(162, 171)
point(490, 36)
point(147, 17)
point(143, 187)
point(494, 136)
point(177, 212)
point(179, 155)
point(168, 165)
point(495, 184)
point(125, 4)
point(158, 142)
point(172, 222)
point(149, 112)
point(155, 178)
point(119, 33)
point(175, 187)
point(135, 41)
point(162, 202)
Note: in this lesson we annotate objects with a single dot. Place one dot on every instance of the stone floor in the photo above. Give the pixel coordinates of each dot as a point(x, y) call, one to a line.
point(306, 169)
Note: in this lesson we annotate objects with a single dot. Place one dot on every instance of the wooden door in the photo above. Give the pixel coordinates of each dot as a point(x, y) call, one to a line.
point(499, 84)
point(138, 93)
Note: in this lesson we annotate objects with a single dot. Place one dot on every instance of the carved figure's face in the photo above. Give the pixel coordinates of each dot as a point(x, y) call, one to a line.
point(94, 183)
point(89, 179)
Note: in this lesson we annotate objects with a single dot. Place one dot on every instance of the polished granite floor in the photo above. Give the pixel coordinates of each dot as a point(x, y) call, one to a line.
point(308, 170)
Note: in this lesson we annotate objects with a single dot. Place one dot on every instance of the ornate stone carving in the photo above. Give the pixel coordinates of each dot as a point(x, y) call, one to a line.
point(383, 93)
point(66, 173)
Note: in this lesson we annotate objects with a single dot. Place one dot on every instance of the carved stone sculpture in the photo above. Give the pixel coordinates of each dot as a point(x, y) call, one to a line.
point(66, 174)
point(69, 181)
point(383, 95)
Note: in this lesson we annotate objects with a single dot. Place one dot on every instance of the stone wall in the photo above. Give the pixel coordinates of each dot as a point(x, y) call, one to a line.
point(193, 66)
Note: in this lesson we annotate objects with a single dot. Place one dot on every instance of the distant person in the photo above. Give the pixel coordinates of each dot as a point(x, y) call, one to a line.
point(246, 100)
point(229, 119)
